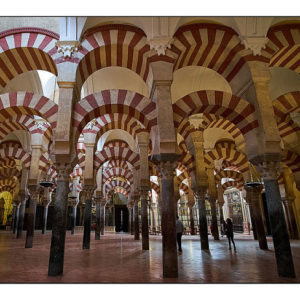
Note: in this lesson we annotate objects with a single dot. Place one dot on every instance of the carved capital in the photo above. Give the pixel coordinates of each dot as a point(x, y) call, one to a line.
point(160, 45)
point(253, 193)
point(268, 165)
point(34, 192)
point(167, 169)
point(63, 171)
point(67, 48)
point(255, 44)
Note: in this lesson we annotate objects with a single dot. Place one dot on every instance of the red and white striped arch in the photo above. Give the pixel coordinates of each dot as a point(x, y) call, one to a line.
point(212, 46)
point(27, 49)
point(113, 45)
point(115, 163)
point(230, 155)
point(116, 153)
point(10, 172)
point(283, 48)
point(122, 102)
point(184, 188)
point(26, 103)
point(291, 159)
point(232, 184)
point(155, 187)
point(14, 150)
point(229, 174)
point(112, 185)
point(116, 143)
point(7, 162)
point(117, 172)
point(234, 109)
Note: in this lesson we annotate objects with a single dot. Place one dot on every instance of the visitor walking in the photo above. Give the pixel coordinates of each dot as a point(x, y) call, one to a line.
point(179, 231)
point(229, 233)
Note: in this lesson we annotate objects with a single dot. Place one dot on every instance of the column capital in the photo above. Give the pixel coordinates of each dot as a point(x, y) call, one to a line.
point(34, 191)
point(268, 165)
point(253, 193)
point(63, 170)
point(166, 164)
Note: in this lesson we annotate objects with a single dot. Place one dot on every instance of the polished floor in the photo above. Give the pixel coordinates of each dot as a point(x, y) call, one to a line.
point(118, 258)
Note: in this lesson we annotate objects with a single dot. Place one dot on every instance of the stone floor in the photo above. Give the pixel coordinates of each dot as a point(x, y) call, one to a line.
point(118, 258)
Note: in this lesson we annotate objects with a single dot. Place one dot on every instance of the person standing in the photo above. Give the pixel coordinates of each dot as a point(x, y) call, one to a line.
point(229, 233)
point(179, 231)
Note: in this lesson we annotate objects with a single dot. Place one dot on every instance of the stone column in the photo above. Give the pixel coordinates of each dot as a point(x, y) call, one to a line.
point(229, 206)
point(213, 195)
point(153, 216)
point(144, 185)
point(15, 216)
point(102, 215)
point(57, 248)
point(167, 166)
point(46, 202)
point(192, 223)
point(246, 224)
point(144, 215)
point(200, 196)
point(98, 225)
point(74, 202)
point(34, 195)
point(136, 216)
point(20, 223)
point(268, 167)
point(81, 214)
point(191, 203)
point(288, 203)
point(220, 201)
point(88, 192)
point(255, 193)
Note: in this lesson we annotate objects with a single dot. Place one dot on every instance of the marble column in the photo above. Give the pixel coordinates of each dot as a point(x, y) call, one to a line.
point(284, 258)
point(220, 201)
point(132, 221)
point(34, 195)
point(102, 215)
point(45, 215)
point(153, 216)
point(290, 216)
point(97, 228)
point(246, 224)
point(213, 195)
point(74, 202)
point(200, 196)
point(192, 223)
point(255, 194)
point(288, 203)
point(229, 206)
point(20, 223)
point(15, 217)
point(88, 192)
point(167, 166)
point(57, 248)
point(136, 217)
point(46, 202)
point(144, 215)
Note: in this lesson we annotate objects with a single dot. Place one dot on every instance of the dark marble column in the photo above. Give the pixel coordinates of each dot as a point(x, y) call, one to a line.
point(144, 213)
point(284, 258)
point(255, 193)
point(200, 196)
point(166, 166)
point(20, 223)
point(136, 217)
point(132, 221)
point(102, 216)
point(252, 221)
point(45, 215)
point(16, 213)
point(34, 195)
point(74, 214)
point(192, 223)
point(129, 206)
point(290, 216)
point(87, 218)
point(215, 231)
point(57, 248)
point(98, 223)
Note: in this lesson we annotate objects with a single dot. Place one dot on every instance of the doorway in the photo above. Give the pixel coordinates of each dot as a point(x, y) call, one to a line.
point(121, 218)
